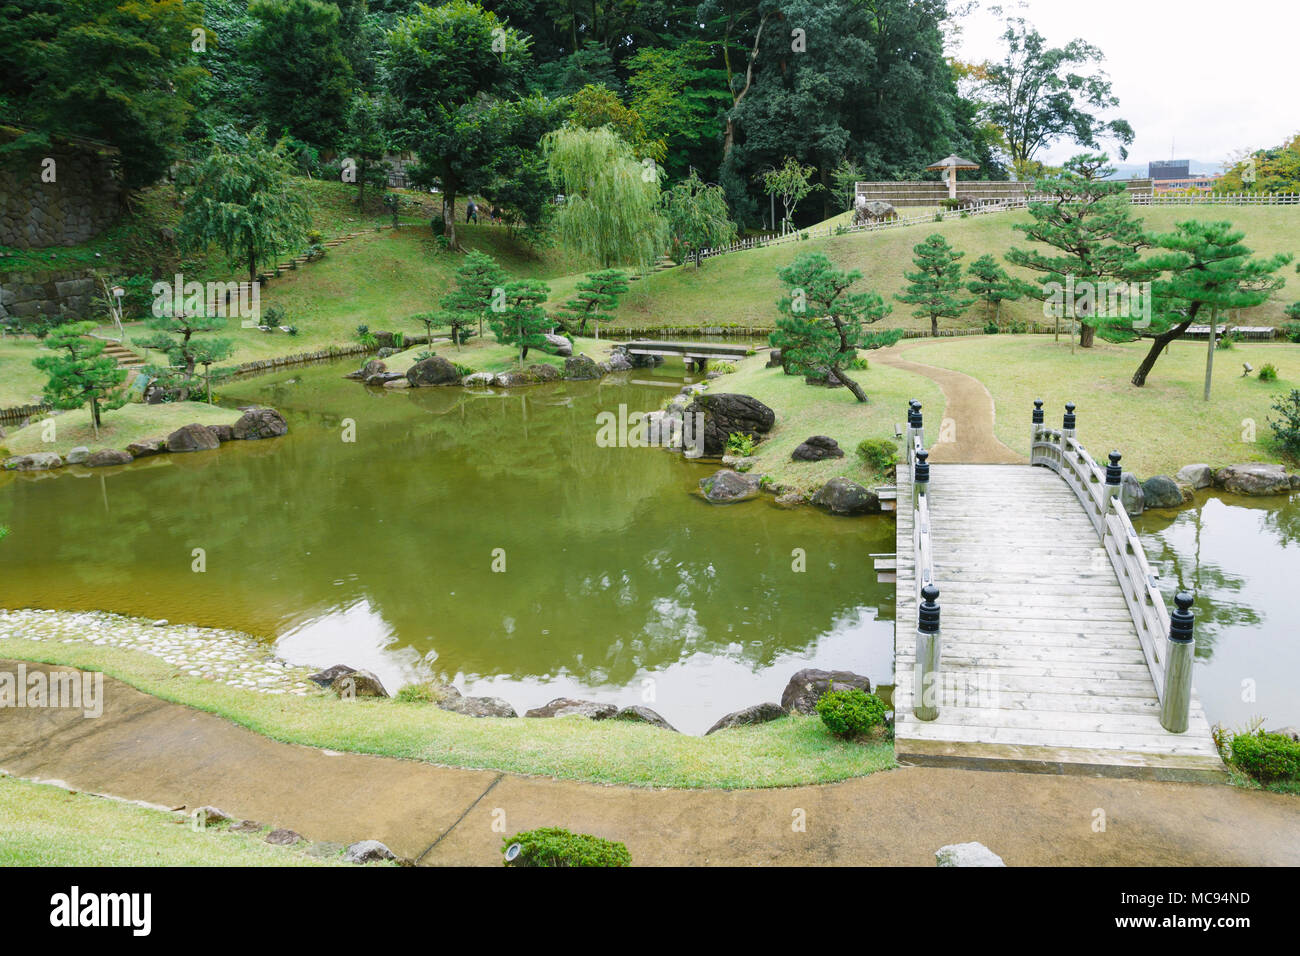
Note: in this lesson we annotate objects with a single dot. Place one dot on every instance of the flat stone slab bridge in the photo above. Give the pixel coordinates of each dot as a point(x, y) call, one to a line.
point(1030, 631)
point(696, 354)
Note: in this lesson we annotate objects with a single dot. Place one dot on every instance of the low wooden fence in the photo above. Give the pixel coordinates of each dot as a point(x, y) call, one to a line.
point(22, 412)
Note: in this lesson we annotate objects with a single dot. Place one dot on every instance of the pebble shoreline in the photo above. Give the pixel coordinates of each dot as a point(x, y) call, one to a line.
point(227, 657)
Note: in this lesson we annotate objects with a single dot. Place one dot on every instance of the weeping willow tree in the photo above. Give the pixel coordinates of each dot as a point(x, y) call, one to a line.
point(611, 201)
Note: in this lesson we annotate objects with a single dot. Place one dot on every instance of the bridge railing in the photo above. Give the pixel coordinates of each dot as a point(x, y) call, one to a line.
point(929, 639)
point(1167, 642)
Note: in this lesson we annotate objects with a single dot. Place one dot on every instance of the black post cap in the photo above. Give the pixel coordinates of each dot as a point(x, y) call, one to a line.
point(922, 465)
point(913, 409)
point(1038, 411)
point(1180, 622)
point(927, 621)
point(1113, 470)
point(1069, 416)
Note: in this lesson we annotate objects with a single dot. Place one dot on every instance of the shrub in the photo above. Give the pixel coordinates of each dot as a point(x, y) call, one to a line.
point(991, 328)
point(877, 453)
point(858, 363)
point(1266, 757)
point(1017, 327)
point(273, 316)
point(1286, 431)
point(1227, 341)
point(463, 370)
point(363, 330)
point(726, 368)
point(1291, 330)
point(850, 713)
point(293, 330)
point(556, 846)
point(738, 443)
point(1268, 373)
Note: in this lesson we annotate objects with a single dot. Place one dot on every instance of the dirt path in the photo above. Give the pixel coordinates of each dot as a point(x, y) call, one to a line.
point(144, 748)
point(963, 434)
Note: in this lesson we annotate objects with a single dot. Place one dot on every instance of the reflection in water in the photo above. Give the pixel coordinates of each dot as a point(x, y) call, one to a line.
point(1241, 558)
point(617, 584)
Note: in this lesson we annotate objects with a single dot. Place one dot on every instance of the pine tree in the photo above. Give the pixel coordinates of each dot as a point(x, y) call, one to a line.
point(935, 288)
point(174, 329)
point(1087, 220)
point(477, 283)
point(596, 299)
point(823, 324)
point(990, 282)
point(84, 374)
point(1204, 268)
point(522, 321)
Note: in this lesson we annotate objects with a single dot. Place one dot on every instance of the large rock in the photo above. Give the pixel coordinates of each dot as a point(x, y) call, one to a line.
point(224, 433)
point(478, 379)
point(78, 455)
point(326, 677)
point(1131, 495)
point(258, 423)
point(724, 487)
point(774, 359)
point(382, 379)
point(872, 211)
point(558, 345)
point(817, 448)
point(1255, 478)
point(758, 714)
point(568, 706)
point(194, 437)
point(807, 687)
point(358, 684)
point(966, 854)
point(544, 373)
point(581, 368)
point(479, 706)
point(283, 837)
point(843, 496)
point(108, 456)
point(435, 370)
point(1198, 476)
point(643, 715)
point(727, 414)
point(37, 461)
point(619, 362)
point(512, 379)
point(373, 367)
point(1161, 491)
point(368, 851)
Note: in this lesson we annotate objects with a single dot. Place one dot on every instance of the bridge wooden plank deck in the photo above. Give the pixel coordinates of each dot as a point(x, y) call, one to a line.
point(1041, 665)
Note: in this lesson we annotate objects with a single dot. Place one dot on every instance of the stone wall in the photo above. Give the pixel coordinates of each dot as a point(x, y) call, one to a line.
point(83, 200)
point(69, 294)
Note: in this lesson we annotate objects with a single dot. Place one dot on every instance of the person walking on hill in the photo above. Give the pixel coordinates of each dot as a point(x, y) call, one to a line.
point(471, 212)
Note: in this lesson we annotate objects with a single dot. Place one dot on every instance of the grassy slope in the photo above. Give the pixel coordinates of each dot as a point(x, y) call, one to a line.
point(803, 410)
point(20, 382)
point(1157, 428)
point(49, 826)
point(786, 752)
point(131, 422)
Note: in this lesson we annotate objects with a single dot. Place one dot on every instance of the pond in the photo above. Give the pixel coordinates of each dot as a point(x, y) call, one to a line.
point(1241, 558)
point(480, 537)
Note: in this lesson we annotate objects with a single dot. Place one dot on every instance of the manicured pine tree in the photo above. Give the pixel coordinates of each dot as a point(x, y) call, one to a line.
point(990, 282)
point(470, 301)
point(596, 299)
point(1087, 220)
point(174, 331)
point(522, 321)
point(935, 288)
point(1204, 268)
point(81, 372)
point(823, 324)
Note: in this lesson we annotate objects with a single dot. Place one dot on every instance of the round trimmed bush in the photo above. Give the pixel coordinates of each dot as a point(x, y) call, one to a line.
point(1266, 757)
point(849, 713)
point(556, 846)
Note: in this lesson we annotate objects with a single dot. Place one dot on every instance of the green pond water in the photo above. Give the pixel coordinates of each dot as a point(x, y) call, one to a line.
point(619, 584)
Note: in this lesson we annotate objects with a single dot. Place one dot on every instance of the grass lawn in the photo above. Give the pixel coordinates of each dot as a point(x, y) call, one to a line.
point(786, 752)
point(1157, 428)
point(487, 355)
point(44, 825)
point(132, 422)
point(20, 382)
point(804, 410)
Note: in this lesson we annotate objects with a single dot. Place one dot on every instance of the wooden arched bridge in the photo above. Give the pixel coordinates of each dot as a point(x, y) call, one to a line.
point(1030, 631)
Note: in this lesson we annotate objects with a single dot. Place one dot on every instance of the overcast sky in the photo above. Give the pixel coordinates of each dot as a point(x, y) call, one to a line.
point(1208, 79)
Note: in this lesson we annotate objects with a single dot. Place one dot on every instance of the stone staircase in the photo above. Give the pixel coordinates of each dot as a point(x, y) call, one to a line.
point(125, 356)
point(296, 261)
point(661, 264)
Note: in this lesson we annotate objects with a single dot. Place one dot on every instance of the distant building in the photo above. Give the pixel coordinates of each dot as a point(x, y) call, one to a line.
point(1175, 176)
point(1171, 169)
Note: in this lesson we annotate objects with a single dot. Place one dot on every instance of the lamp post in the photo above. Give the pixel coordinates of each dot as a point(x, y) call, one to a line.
point(118, 293)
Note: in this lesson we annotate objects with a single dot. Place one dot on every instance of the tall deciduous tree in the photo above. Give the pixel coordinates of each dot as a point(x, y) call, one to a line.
point(697, 218)
point(365, 141)
point(80, 372)
point(1087, 220)
point(678, 93)
point(522, 321)
point(1038, 94)
point(935, 287)
point(990, 283)
point(611, 201)
point(246, 202)
point(450, 69)
point(595, 299)
point(823, 323)
point(1204, 268)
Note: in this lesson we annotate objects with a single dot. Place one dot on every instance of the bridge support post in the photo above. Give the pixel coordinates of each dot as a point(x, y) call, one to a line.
point(920, 477)
point(916, 427)
point(1067, 425)
point(1179, 652)
point(929, 649)
point(1036, 426)
point(1114, 474)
